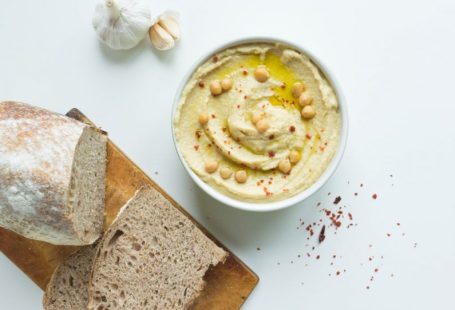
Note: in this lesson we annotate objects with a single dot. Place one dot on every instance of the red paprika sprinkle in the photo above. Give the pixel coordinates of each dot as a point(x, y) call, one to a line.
point(322, 234)
point(375, 196)
point(337, 200)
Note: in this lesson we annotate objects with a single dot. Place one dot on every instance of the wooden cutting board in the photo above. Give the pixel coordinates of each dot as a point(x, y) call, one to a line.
point(228, 284)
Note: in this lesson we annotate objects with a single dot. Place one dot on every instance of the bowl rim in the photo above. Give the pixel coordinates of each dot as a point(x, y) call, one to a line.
point(299, 197)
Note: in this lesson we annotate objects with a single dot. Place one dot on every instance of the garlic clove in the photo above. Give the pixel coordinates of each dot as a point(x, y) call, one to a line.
point(160, 38)
point(169, 20)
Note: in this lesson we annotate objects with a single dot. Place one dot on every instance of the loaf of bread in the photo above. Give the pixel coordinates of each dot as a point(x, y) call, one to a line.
point(52, 175)
point(152, 257)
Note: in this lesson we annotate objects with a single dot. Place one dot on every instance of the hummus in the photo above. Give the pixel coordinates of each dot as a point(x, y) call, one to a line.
point(231, 140)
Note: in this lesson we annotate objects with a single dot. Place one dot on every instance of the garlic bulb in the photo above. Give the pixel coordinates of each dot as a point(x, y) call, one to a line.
point(121, 24)
point(165, 31)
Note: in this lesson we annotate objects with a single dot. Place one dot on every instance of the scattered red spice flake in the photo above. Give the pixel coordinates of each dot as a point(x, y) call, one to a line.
point(245, 72)
point(271, 154)
point(338, 273)
point(398, 224)
point(318, 256)
point(361, 184)
point(308, 136)
point(201, 84)
point(196, 147)
point(322, 234)
point(356, 194)
point(215, 58)
point(368, 287)
point(238, 106)
point(271, 137)
point(388, 235)
point(285, 190)
point(266, 191)
point(370, 258)
point(292, 128)
point(308, 254)
point(283, 85)
point(350, 216)
point(321, 148)
point(334, 256)
point(245, 97)
point(375, 196)
point(376, 270)
point(198, 134)
point(213, 116)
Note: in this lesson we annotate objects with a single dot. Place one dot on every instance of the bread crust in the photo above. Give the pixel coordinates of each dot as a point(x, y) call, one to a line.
point(37, 150)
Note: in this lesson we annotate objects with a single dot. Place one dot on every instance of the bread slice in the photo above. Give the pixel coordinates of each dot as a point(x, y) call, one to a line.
point(52, 175)
point(152, 257)
point(68, 287)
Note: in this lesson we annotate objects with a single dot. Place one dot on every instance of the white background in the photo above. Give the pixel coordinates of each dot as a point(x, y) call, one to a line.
point(395, 61)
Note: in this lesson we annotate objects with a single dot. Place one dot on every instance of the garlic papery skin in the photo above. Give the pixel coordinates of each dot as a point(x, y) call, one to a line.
point(121, 24)
point(165, 31)
point(169, 20)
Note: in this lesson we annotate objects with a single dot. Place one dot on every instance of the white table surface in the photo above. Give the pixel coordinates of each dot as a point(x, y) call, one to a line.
point(395, 62)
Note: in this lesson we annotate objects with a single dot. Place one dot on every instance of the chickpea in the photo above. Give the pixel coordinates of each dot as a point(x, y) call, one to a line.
point(215, 88)
point(211, 166)
point(294, 157)
point(256, 117)
point(284, 165)
point(261, 74)
point(225, 173)
point(297, 89)
point(241, 176)
point(305, 100)
point(308, 112)
point(226, 84)
point(262, 125)
point(203, 118)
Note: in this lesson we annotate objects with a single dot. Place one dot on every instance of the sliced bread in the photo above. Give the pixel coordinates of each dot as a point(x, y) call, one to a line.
point(52, 175)
point(152, 257)
point(68, 287)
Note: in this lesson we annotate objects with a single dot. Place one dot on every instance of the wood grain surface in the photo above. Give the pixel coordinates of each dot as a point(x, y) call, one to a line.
point(228, 284)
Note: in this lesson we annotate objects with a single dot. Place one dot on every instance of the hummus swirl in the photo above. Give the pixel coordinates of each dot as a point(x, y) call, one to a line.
point(231, 137)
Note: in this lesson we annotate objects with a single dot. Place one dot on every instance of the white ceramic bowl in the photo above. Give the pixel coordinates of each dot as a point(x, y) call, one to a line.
point(281, 204)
